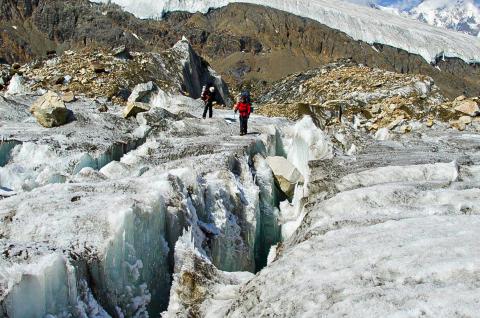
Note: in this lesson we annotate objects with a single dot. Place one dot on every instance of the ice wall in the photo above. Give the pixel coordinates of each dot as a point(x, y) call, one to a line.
point(233, 206)
point(29, 165)
point(41, 288)
point(268, 227)
point(308, 143)
point(5, 148)
point(114, 241)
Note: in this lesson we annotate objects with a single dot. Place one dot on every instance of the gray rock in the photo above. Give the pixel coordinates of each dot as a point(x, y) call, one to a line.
point(68, 97)
point(143, 92)
point(102, 108)
point(122, 53)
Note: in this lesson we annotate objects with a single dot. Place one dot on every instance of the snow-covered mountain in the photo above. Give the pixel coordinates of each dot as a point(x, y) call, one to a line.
point(458, 15)
point(359, 22)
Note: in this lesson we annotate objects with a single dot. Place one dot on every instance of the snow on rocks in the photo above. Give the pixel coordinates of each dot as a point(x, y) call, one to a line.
point(31, 156)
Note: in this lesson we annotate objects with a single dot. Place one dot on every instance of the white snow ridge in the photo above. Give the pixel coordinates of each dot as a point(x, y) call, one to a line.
point(359, 22)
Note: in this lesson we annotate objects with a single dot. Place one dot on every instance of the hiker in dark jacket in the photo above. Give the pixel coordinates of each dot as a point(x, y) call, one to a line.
point(208, 96)
point(244, 107)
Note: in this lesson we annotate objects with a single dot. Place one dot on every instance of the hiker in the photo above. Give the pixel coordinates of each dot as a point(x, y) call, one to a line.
point(244, 107)
point(208, 96)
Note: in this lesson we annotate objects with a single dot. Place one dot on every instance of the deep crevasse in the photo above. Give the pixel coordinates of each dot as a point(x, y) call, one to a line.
point(118, 240)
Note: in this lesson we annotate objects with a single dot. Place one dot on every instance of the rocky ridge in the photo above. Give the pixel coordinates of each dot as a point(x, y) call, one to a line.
point(108, 75)
point(367, 98)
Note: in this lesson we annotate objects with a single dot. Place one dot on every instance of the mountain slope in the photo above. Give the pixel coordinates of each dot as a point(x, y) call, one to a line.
point(359, 22)
point(245, 43)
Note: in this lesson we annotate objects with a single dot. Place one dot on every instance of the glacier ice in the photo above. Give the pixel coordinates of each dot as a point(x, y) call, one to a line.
point(308, 143)
point(5, 148)
point(393, 238)
point(115, 241)
point(359, 22)
point(268, 229)
point(106, 235)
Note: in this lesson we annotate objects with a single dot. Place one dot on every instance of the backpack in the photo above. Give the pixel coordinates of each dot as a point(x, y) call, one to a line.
point(246, 95)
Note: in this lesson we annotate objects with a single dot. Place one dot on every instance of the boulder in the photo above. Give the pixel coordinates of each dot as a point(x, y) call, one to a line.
point(58, 79)
point(98, 67)
point(134, 108)
point(468, 107)
point(122, 53)
point(102, 108)
point(457, 124)
point(286, 174)
point(143, 92)
point(68, 97)
point(50, 110)
point(465, 120)
point(399, 120)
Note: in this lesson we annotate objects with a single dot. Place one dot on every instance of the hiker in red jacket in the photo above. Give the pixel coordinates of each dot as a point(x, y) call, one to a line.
point(244, 107)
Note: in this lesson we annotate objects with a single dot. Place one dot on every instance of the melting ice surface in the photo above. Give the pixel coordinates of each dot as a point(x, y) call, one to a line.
point(359, 22)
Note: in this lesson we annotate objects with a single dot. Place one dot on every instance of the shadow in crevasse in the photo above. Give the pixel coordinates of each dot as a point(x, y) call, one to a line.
point(230, 120)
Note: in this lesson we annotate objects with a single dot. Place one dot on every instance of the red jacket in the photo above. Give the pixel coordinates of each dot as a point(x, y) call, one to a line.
point(244, 109)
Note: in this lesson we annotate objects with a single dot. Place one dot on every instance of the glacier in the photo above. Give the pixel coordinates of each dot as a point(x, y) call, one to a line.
point(359, 22)
point(169, 214)
point(392, 235)
point(91, 225)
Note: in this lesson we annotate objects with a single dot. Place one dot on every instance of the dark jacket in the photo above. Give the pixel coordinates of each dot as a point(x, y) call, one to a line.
point(208, 96)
